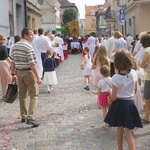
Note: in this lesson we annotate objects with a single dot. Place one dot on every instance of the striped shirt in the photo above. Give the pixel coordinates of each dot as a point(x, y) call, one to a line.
point(23, 54)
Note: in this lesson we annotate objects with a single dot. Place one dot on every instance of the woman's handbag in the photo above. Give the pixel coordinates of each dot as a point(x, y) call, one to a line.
point(11, 93)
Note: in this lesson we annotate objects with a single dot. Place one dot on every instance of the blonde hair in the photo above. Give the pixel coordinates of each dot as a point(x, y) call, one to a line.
point(51, 36)
point(118, 35)
point(101, 57)
point(2, 36)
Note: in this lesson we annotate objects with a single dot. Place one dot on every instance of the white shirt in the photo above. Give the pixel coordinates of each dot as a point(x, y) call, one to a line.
point(44, 44)
point(125, 84)
point(111, 45)
point(138, 46)
point(91, 40)
point(34, 43)
point(105, 84)
point(129, 40)
point(9, 43)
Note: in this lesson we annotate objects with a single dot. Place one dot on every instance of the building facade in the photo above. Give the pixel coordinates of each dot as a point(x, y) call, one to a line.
point(50, 10)
point(90, 19)
point(4, 17)
point(136, 16)
point(33, 14)
point(12, 17)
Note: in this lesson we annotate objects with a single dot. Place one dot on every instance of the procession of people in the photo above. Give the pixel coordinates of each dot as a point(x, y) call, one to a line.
point(117, 66)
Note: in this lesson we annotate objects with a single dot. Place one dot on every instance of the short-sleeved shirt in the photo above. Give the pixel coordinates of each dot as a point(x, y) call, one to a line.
point(3, 52)
point(147, 74)
point(105, 84)
point(23, 54)
point(125, 84)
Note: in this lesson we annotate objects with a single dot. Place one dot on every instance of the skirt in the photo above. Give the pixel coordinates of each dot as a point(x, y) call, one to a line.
point(49, 78)
point(5, 73)
point(123, 113)
point(102, 99)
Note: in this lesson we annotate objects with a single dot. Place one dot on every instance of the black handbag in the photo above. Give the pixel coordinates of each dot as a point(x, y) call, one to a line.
point(11, 93)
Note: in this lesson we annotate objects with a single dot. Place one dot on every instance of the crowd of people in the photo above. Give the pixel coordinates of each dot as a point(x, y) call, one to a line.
point(117, 66)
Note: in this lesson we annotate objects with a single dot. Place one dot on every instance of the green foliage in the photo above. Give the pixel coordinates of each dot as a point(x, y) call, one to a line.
point(69, 15)
point(65, 30)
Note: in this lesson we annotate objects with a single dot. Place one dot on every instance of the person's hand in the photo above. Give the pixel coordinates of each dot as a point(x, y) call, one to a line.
point(94, 92)
point(39, 80)
point(14, 78)
point(109, 101)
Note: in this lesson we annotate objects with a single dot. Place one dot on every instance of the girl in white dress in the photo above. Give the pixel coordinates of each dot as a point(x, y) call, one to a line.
point(87, 71)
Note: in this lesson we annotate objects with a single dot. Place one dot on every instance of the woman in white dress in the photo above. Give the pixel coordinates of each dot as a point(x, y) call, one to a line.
point(87, 71)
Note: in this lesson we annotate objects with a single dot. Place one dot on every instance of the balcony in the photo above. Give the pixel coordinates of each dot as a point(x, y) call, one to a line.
point(110, 16)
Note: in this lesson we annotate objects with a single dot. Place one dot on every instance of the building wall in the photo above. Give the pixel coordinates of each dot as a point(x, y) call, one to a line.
point(34, 14)
point(4, 17)
point(137, 16)
point(50, 15)
point(90, 19)
point(18, 16)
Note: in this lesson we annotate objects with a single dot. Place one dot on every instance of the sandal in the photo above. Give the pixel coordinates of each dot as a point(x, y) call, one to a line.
point(87, 88)
point(144, 120)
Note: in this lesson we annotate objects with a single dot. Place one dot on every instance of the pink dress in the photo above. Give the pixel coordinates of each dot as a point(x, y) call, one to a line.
point(105, 85)
point(96, 75)
point(102, 99)
point(5, 73)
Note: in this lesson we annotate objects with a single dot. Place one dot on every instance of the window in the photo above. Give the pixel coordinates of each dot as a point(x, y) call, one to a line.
point(130, 22)
point(92, 12)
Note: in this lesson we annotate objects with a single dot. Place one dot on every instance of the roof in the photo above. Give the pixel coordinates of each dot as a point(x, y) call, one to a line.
point(66, 4)
point(89, 8)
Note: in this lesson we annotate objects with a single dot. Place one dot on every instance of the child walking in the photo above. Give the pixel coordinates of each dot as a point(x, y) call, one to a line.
point(123, 113)
point(104, 88)
point(87, 71)
point(100, 59)
point(50, 77)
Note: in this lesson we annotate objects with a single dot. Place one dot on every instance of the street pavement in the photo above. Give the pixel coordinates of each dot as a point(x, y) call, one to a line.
point(69, 116)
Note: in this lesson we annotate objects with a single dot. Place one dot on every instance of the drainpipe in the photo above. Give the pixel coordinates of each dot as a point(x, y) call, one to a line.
point(25, 12)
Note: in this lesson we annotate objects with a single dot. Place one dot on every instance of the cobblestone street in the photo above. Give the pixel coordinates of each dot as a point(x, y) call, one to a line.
point(69, 116)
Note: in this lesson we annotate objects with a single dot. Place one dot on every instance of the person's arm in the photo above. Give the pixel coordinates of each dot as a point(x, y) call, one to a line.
point(113, 94)
point(13, 72)
point(97, 92)
point(135, 88)
point(145, 60)
point(34, 69)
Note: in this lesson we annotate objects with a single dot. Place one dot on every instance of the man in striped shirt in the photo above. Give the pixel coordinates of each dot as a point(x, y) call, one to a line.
point(24, 63)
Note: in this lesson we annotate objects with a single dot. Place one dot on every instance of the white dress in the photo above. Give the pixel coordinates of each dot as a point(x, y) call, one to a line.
point(87, 66)
point(138, 95)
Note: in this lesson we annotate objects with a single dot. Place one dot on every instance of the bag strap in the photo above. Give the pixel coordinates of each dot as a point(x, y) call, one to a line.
point(108, 83)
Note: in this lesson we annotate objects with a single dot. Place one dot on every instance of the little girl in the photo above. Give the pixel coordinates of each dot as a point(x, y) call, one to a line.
point(104, 87)
point(123, 113)
point(87, 71)
point(49, 78)
point(100, 59)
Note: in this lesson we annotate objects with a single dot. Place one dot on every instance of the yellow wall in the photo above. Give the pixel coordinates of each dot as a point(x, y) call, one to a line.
point(34, 17)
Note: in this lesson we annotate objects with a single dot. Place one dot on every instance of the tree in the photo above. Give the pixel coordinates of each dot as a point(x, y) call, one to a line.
point(65, 30)
point(69, 15)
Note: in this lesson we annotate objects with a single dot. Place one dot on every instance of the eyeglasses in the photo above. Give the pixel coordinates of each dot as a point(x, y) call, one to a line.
point(2, 39)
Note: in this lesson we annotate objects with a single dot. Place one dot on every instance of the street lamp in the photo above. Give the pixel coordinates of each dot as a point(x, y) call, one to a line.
point(118, 3)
